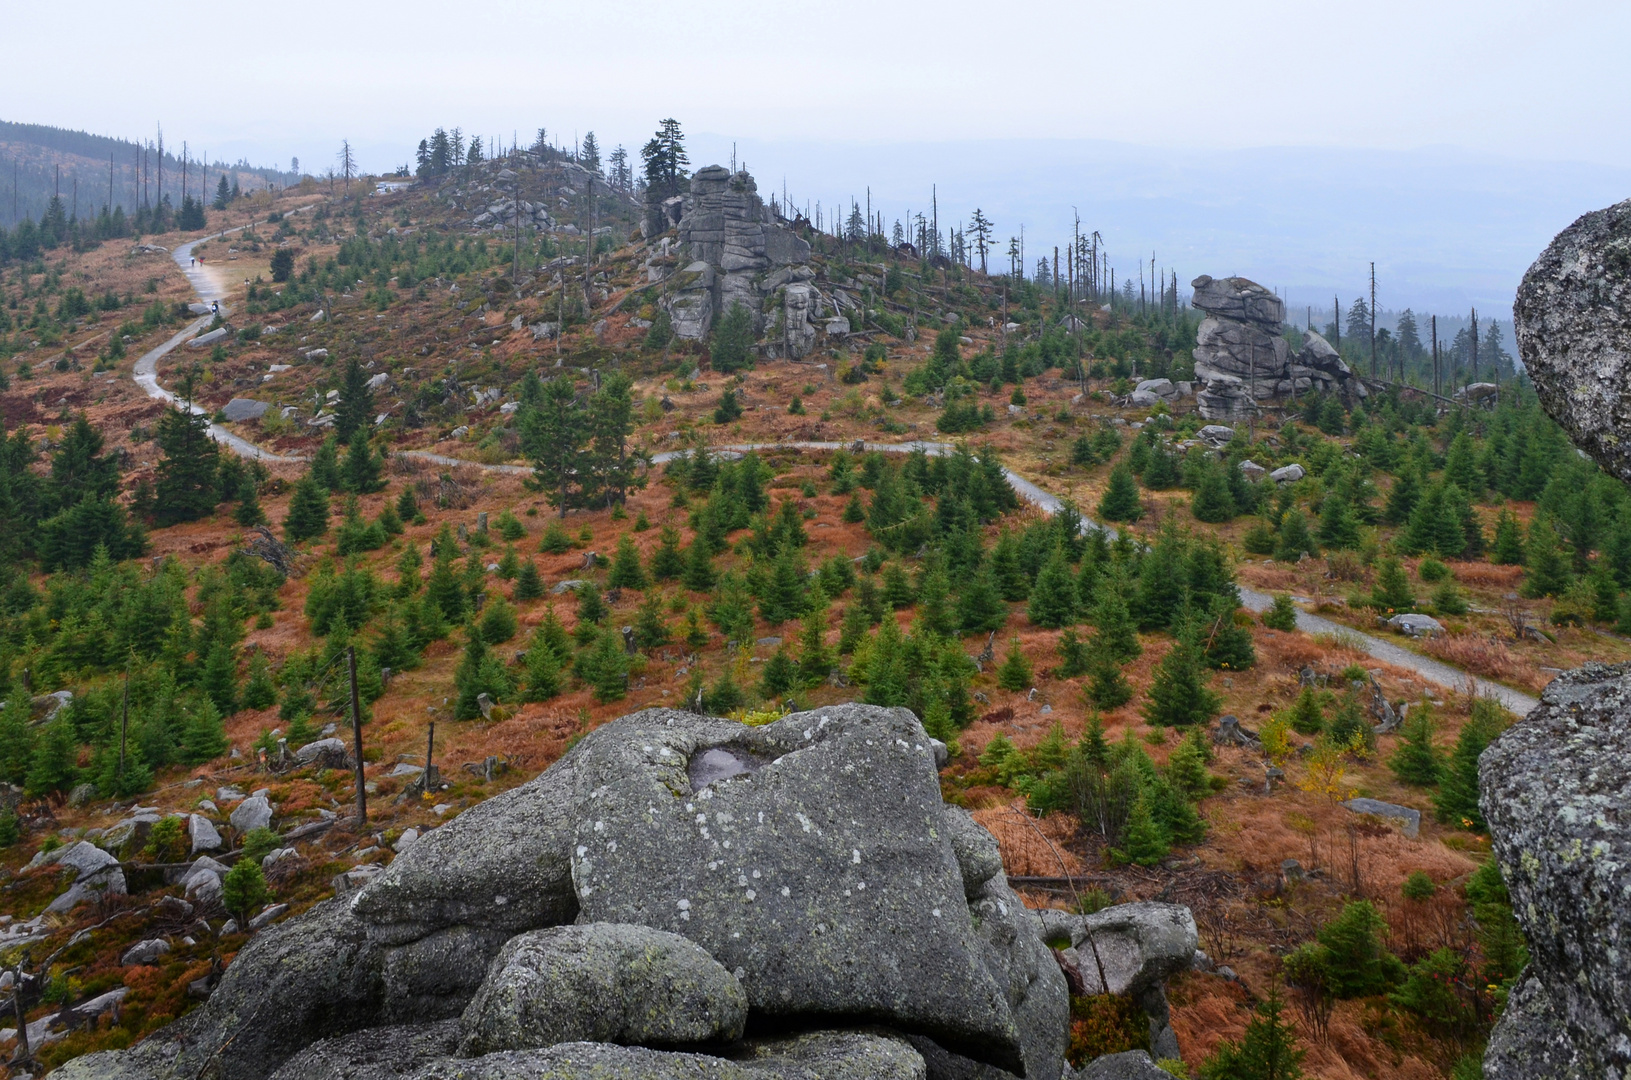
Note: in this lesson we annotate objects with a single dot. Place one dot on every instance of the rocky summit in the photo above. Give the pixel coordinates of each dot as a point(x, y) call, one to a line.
point(681, 896)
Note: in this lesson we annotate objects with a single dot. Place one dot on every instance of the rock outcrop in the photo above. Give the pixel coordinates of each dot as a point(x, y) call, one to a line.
point(1572, 319)
point(1553, 789)
point(735, 252)
point(1241, 357)
point(670, 879)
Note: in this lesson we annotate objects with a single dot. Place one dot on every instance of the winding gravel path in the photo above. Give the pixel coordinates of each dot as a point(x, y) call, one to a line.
point(207, 283)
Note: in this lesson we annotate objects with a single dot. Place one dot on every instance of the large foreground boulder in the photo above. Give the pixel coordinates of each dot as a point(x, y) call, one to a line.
point(1554, 790)
point(812, 859)
point(671, 881)
point(1572, 319)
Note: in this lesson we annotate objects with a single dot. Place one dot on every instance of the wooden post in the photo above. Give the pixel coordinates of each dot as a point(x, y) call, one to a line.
point(356, 738)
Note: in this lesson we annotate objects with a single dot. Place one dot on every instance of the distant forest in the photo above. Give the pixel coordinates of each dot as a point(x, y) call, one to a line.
point(30, 155)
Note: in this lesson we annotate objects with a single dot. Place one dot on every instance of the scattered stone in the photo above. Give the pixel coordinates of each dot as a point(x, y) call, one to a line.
point(254, 812)
point(1408, 818)
point(1161, 388)
point(81, 795)
point(329, 753)
point(207, 339)
point(1288, 474)
point(240, 409)
point(145, 952)
point(406, 840)
point(203, 834)
point(265, 918)
point(1416, 626)
point(1216, 436)
point(204, 878)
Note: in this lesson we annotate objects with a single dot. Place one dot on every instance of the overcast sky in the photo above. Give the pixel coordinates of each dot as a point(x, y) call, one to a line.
point(1530, 79)
point(1513, 79)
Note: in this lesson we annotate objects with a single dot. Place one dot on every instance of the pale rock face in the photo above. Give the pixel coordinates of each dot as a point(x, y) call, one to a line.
point(1241, 357)
point(1552, 789)
point(1573, 324)
point(726, 227)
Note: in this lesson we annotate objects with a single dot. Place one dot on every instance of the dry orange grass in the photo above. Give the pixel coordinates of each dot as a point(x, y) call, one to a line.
point(1488, 657)
point(1487, 575)
point(1032, 847)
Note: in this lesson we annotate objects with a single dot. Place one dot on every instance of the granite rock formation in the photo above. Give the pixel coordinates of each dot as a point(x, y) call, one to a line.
point(1242, 359)
point(733, 251)
point(670, 878)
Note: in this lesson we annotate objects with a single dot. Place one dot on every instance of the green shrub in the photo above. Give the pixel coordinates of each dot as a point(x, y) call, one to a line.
point(243, 890)
point(259, 843)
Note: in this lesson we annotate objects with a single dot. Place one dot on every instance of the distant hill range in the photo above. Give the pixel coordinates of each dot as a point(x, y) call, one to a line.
point(92, 171)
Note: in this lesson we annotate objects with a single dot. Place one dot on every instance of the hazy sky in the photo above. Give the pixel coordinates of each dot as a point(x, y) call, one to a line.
point(1514, 80)
point(1529, 79)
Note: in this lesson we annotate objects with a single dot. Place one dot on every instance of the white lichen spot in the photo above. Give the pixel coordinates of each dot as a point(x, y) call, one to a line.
point(757, 875)
point(702, 819)
point(713, 864)
point(808, 733)
point(582, 851)
point(690, 808)
point(501, 900)
point(683, 905)
point(751, 894)
point(855, 856)
point(786, 891)
point(600, 826)
point(935, 913)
